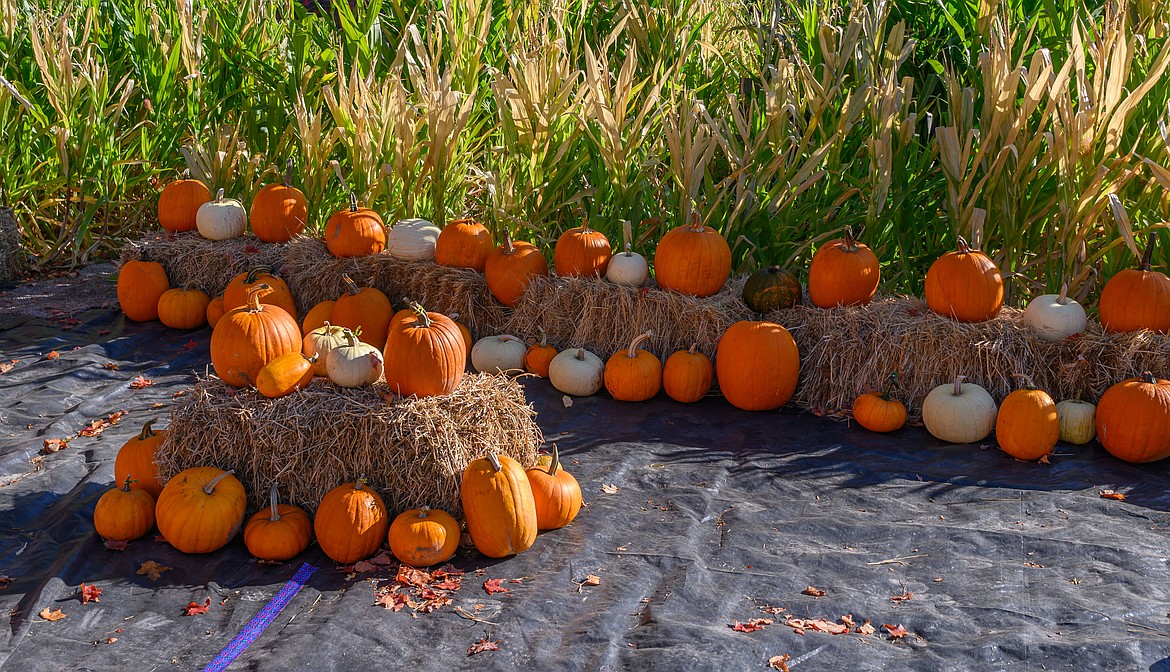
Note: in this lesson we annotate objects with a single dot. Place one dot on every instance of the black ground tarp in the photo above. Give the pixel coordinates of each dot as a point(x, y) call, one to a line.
point(717, 513)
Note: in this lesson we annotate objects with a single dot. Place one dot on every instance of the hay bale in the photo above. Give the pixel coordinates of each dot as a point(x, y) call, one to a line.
point(413, 450)
point(603, 317)
point(9, 246)
point(209, 265)
point(314, 275)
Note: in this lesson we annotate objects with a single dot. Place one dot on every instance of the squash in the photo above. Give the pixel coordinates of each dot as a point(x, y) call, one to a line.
point(556, 493)
point(412, 239)
point(498, 506)
point(1027, 426)
point(1054, 317)
point(577, 372)
point(425, 355)
point(366, 311)
point(1137, 298)
point(279, 211)
point(184, 308)
point(318, 316)
point(687, 375)
point(319, 343)
point(179, 203)
point(465, 333)
point(878, 411)
point(757, 365)
point(351, 522)
point(286, 374)
point(464, 243)
point(201, 509)
point(279, 532)
point(221, 219)
point(843, 272)
point(771, 288)
point(246, 339)
point(510, 267)
point(354, 232)
point(498, 354)
point(214, 310)
point(1077, 421)
point(693, 259)
point(959, 412)
point(136, 458)
point(424, 536)
point(235, 295)
point(539, 356)
point(581, 252)
point(632, 374)
point(140, 286)
point(1133, 419)
point(628, 268)
point(124, 513)
point(354, 363)
point(964, 285)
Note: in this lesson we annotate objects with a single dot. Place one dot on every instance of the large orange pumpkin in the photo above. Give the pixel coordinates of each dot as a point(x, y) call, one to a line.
point(278, 532)
point(1027, 426)
point(425, 355)
point(179, 202)
point(355, 232)
point(1137, 298)
point(424, 536)
point(235, 295)
point(582, 252)
point(757, 365)
point(510, 267)
point(498, 505)
point(687, 375)
point(556, 493)
point(201, 509)
point(1133, 419)
point(124, 513)
point(464, 243)
point(878, 411)
point(632, 374)
point(279, 211)
point(136, 458)
point(366, 311)
point(140, 285)
point(184, 308)
point(248, 338)
point(964, 285)
point(692, 259)
point(843, 272)
point(351, 522)
point(539, 356)
point(317, 316)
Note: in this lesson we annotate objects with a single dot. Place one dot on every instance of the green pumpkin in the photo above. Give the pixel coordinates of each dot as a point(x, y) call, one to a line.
point(771, 288)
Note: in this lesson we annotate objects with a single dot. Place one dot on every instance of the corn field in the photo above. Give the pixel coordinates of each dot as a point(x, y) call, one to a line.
point(1035, 128)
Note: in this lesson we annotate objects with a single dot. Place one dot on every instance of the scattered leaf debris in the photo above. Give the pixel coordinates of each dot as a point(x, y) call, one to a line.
point(779, 662)
point(493, 586)
point(90, 593)
point(53, 355)
point(152, 570)
point(904, 597)
point(140, 382)
point(483, 645)
point(752, 624)
point(1113, 494)
point(54, 615)
point(5, 367)
point(608, 489)
point(196, 609)
point(813, 592)
point(896, 631)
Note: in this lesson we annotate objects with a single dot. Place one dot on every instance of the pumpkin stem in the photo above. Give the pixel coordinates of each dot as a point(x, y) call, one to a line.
point(360, 482)
point(580, 354)
point(422, 315)
point(556, 461)
point(1029, 384)
point(288, 168)
point(959, 385)
point(632, 352)
point(543, 337)
point(891, 383)
point(694, 348)
point(1148, 377)
point(126, 483)
point(495, 462)
point(1062, 299)
point(628, 236)
point(350, 284)
point(147, 432)
point(964, 248)
point(849, 243)
point(350, 337)
point(696, 221)
point(219, 195)
point(1148, 255)
point(313, 359)
point(256, 272)
point(256, 293)
point(509, 248)
point(210, 487)
point(423, 511)
point(272, 505)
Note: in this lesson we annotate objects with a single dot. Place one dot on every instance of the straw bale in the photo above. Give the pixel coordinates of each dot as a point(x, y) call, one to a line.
point(412, 450)
point(209, 265)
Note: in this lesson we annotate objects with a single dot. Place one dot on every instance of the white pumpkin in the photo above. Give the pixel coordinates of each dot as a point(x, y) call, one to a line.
point(222, 218)
point(321, 341)
point(412, 239)
point(355, 364)
point(1054, 317)
point(1077, 421)
point(628, 268)
point(497, 354)
point(959, 412)
point(577, 372)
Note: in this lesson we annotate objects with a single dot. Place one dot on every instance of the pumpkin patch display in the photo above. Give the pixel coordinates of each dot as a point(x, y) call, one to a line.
point(498, 506)
point(878, 411)
point(1137, 298)
point(498, 354)
point(757, 365)
point(279, 211)
point(687, 375)
point(354, 232)
point(577, 372)
point(510, 267)
point(1133, 419)
point(771, 288)
point(964, 285)
point(279, 532)
point(136, 458)
point(693, 259)
point(140, 286)
point(843, 272)
point(627, 268)
point(351, 522)
point(221, 219)
point(959, 412)
point(179, 203)
point(1054, 317)
point(424, 536)
point(425, 355)
point(365, 310)
point(1027, 426)
point(539, 355)
point(581, 252)
point(247, 338)
point(184, 308)
point(285, 374)
point(632, 374)
point(555, 492)
point(1077, 421)
point(319, 343)
point(125, 513)
point(354, 363)
point(201, 509)
point(464, 243)
point(235, 295)
point(412, 239)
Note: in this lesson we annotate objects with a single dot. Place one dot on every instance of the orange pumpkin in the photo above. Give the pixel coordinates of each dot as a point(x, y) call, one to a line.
point(964, 285)
point(424, 536)
point(248, 338)
point(582, 252)
point(465, 332)
point(136, 457)
point(351, 522)
point(633, 375)
point(201, 509)
point(878, 411)
point(510, 267)
point(279, 211)
point(317, 316)
point(279, 532)
point(539, 356)
point(556, 493)
point(183, 308)
point(425, 355)
point(464, 243)
point(286, 374)
point(366, 311)
point(692, 259)
point(1133, 419)
point(757, 365)
point(687, 375)
point(178, 203)
point(498, 505)
point(140, 285)
point(1027, 426)
point(214, 310)
point(235, 295)
point(843, 272)
point(124, 513)
point(1137, 298)
point(355, 232)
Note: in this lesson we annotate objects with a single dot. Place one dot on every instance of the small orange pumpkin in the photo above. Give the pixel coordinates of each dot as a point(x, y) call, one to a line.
point(279, 532)
point(510, 267)
point(355, 232)
point(633, 375)
point(687, 375)
point(179, 202)
point(556, 493)
point(843, 272)
point(351, 522)
point(539, 356)
point(246, 339)
point(425, 355)
point(279, 211)
point(964, 285)
point(286, 374)
point(366, 311)
point(201, 509)
point(235, 295)
point(136, 457)
point(140, 286)
point(1027, 426)
point(215, 310)
point(582, 252)
point(693, 259)
point(424, 536)
point(1137, 298)
point(1133, 419)
point(124, 513)
point(464, 243)
point(184, 308)
point(878, 411)
point(498, 505)
point(757, 365)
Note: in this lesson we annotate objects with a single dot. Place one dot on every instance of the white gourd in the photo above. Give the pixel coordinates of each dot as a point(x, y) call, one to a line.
point(321, 341)
point(1054, 317)
point(959, 412)
point(628, 268)
point(497, 354)
point(222, 218)
point(355, 364)
point(412, 239)
point(577, 372)
point(1077, 421)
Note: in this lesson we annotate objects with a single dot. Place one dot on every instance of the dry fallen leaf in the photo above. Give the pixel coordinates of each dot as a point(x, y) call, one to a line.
point(609, 489)
point(195, 609)
point(54, 615)
point(190, 345)
point(409, 576)
point(1043, 460)
point(111, 640)
point(779, 663)
point(152, 570)
point(866, 628)
point(5, 367)
point(90, 593)
point(593, 580)
point(364, 566)
point(1111, 494)
point(904, 597)
point(5, 580)
point(112, 366)
point(53, 355)
point(141, 382)
point(492, 586)
point(814, 592)
point(769, 609)
point(481, 646)
point(391, 599)
point(567, 401)
point(896, 631)
point(54, 445)
point(751, 625)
